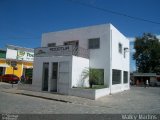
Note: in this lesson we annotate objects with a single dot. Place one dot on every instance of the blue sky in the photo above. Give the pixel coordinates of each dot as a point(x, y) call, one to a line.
point(22, 22)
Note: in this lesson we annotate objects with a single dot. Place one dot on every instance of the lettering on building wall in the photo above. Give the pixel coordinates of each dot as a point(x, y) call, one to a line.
point(50, 51)
point(23, 55)
point(59, 48)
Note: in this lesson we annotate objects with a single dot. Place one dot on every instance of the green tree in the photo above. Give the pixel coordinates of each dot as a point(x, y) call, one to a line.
point(95, 76)
point(147, 53)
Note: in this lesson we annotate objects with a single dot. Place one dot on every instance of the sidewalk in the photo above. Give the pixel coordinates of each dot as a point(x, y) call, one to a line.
point(51, 96)
point(132, 101)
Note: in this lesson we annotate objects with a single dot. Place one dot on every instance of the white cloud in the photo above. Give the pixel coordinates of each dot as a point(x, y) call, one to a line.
point(158, 36)
point(131, 39)
point(132, 50)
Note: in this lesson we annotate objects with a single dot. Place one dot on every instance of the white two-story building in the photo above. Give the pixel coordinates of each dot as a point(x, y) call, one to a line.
point(63, 56)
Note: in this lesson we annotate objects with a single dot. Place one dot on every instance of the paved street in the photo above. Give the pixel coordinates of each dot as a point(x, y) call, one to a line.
point(136, 100)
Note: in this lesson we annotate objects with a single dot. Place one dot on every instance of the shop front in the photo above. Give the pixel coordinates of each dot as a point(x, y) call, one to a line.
point(17, 61)
point(57, 70)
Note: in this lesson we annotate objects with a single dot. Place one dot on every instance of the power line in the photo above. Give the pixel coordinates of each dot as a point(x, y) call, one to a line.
point(113, 12)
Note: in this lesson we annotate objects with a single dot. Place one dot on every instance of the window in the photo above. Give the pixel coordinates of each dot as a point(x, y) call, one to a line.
point(75, 43)
point(125, 77)
point(2, 54)
point(120, 47)
point(54, 70)
point(51, 44)
point(116, 76)
point(94, 43)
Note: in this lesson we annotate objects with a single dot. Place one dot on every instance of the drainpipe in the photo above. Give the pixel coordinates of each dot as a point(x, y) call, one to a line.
point(110, 81)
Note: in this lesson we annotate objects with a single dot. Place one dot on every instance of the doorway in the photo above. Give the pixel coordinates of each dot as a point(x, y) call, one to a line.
point(45, 76)
point(2, 71)
point(54, 76)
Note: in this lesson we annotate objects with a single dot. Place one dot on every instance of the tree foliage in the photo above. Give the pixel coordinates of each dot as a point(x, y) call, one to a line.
point(95, 76)
point(147, 53)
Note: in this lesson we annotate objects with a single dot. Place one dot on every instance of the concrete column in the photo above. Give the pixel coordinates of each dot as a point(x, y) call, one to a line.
point(110, 75)
point(122, 80)
point(49, 77)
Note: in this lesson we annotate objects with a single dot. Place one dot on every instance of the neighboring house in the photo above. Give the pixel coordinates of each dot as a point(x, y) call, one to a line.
point(3, 64)
point(19, 57)
point(63, 55)
point(140, 78)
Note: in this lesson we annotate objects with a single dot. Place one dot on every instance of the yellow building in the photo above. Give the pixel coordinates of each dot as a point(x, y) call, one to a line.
point(16, 60)
point(20, 68)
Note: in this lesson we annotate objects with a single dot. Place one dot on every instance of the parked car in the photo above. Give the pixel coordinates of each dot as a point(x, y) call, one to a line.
point(10, 78)
point(155, 83)
point(0, 78)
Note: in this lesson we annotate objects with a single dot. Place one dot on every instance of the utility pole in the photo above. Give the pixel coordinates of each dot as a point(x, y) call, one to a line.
point(13, 64)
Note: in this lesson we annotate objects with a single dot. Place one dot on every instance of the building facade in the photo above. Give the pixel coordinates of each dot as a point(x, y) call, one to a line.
point(3, 64)
point(64, 55)
point(16, 60)
point(139, 79)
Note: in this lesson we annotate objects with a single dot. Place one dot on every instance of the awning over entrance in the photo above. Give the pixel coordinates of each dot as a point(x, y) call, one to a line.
point(144, 74)
point(4, 65)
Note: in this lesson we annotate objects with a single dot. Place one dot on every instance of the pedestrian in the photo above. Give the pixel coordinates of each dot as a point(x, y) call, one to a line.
point(22, 78)
point(147, 83)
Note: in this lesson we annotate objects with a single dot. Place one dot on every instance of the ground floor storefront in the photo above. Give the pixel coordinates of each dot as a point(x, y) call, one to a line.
point(63, 74)
point(20, 68)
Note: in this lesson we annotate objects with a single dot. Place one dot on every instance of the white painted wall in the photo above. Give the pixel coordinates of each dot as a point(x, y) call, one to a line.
point(119, 62)
point(64, 77)
point(107, 57)
point(37, 73)
point(78, 65)
point(38, 70)
point(89, 93)
point(11, 54)
point(99, 58)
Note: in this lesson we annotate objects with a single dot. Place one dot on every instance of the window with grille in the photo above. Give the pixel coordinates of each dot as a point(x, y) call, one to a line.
point(125, 77)
point(120, 47)
point(116, 76)
point(94, 43)
point(51, 44)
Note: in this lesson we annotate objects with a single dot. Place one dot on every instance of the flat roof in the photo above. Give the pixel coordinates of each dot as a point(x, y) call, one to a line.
point(78, 28)
point(20, 48)
point(144, 74)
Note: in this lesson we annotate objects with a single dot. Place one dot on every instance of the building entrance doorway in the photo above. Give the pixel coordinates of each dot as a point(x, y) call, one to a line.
point(45, 76)
point(54, 76)
point(2, 71)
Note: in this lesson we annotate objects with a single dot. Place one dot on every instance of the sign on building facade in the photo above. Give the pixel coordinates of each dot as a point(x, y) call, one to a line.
point(23, 55)
point(19, 55)
point(56, 51)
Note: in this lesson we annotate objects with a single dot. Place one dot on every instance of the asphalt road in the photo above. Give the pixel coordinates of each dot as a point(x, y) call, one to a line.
point(136, 100)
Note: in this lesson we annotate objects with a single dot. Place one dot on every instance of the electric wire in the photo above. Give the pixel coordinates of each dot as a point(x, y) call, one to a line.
point(113, 12)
